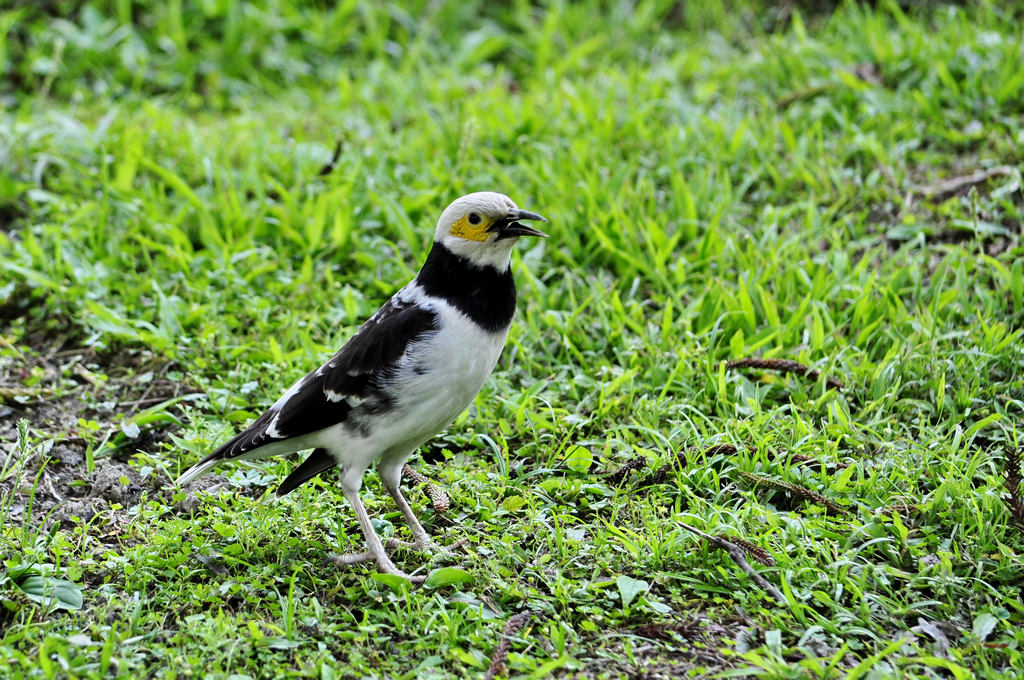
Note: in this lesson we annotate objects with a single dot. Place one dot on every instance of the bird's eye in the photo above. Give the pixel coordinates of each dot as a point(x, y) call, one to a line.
point(474, 218)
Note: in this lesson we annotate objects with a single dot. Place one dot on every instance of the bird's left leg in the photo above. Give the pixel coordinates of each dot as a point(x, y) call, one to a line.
point(373, 542)
point(390, 476)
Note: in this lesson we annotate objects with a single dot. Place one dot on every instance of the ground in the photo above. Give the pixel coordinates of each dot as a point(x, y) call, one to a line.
point(759, 410)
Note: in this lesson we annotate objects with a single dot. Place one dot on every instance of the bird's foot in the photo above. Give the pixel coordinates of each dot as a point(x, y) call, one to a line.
point(384, 565)
point(425, 544)
point(420, 543)
point(390, 544)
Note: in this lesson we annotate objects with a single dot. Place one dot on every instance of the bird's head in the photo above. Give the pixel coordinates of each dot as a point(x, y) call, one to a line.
point(483, 227)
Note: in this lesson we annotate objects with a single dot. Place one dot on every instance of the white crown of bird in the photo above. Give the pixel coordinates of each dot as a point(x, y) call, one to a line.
point(465, 227)
point(488, 205)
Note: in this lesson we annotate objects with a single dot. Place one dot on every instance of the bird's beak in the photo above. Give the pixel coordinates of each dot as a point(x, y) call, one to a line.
point(510, 226)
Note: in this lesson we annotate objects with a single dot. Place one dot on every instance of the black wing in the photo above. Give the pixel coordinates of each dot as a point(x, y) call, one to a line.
point(353, 375)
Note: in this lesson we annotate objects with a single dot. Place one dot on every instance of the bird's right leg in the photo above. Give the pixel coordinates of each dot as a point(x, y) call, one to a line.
point(373, 542)
point(390, 473)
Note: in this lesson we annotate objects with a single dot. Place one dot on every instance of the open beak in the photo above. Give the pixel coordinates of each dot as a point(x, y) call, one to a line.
point(510, 227)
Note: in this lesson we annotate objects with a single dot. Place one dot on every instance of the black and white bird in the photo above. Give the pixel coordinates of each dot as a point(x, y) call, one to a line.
point(407, 372)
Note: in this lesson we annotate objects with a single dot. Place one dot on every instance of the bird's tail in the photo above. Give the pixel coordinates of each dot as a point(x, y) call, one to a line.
point(197, 470)
point(317, 462)
point(230, 451)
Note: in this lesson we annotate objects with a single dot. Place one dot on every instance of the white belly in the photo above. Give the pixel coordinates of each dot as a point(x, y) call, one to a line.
point(444, 374)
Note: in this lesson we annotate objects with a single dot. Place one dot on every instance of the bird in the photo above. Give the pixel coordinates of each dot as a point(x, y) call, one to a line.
point(405, 374)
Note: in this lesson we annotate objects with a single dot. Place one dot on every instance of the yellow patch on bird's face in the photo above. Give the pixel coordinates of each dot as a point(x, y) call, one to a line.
point(463, 228)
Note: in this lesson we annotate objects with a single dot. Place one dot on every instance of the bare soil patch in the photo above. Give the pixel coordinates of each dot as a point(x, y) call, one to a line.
point(74, 399)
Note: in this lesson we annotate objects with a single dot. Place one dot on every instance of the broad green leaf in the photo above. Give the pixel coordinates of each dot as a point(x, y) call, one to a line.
point(392, 581)
point(513, 503)
point(984, 624)
point(447, 576)
point(629, 588)
point(579, 458)
point(52, 592)
point(279, 643)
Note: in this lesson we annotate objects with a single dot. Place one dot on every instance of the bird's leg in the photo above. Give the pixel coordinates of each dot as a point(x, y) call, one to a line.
point(390, 473)
point(373, 542)
point(421, 539)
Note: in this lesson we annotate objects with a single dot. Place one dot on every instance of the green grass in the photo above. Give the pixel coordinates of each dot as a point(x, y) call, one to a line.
point(720, 183)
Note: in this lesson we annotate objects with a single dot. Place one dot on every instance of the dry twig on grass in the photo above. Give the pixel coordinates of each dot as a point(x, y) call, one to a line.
point(902, 509)
point(785, 366)
point(331, 164)
point(33, 393)
point(661, 474)
point(801, 458)
point(755, 551)
point(736, 553)
point(663, 631)
point(85, 374)
point(438, 498)
point(955, 185)
point(795, 489)
point(1013, 500)
point(620, 475)
point(512, 626)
